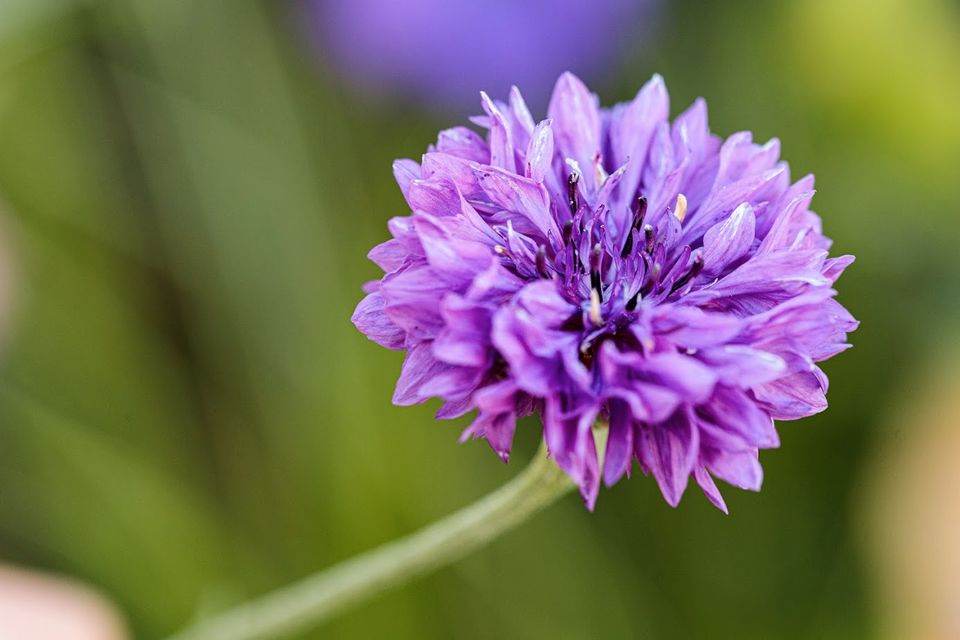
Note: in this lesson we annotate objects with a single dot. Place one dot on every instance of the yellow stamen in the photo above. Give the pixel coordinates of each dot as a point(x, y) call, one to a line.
point(681, 209)
point(500, 249)
point(595, 307)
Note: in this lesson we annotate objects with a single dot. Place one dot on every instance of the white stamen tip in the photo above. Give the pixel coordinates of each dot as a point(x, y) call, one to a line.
point(595, 307)
point(600, 173)
point(680, 211)
point(500, 249)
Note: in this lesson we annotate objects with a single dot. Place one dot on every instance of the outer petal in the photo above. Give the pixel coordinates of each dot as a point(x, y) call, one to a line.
point(519, 195)
point(742, 366)
point(733, 421)
point(454, 249)
point(741, 469)
point(465, 338)
point(496, 420)
point(576, 121)
point(540, 152)
point(619, 453)
point(567, 430)
point(525, 333)
point(631, 130)
point(669, 451)
point(501, 138)
point(693, 328)
point(709, 488)
point(404, 172)
point(770, 279)
point(419, 369)
point(463, 143)
point(728, 241)
point(795, 396)
point(372, 322)
point(412, 301)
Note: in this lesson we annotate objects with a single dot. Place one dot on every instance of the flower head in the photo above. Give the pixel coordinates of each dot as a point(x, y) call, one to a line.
point(609, 267)
point(441, 51)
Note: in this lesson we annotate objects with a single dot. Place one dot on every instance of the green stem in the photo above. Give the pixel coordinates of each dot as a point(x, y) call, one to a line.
point(319, 597)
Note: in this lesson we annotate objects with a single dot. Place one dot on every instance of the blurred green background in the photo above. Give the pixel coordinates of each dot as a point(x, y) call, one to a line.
point(188, 418)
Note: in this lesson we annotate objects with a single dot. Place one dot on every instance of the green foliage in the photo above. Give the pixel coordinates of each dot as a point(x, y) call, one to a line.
point(187, 416)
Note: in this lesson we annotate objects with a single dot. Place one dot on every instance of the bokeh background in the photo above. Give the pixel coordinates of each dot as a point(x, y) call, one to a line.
point(188, 418)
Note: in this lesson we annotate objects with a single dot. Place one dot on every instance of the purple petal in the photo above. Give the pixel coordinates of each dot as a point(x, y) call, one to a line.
point(795, 396)
point(740, 469)
point(728, 241)
point(463, 143)
point(709, 488)
point(465, 338)
point(631, 129)
point(619, 452)
point(496, 420)
point(576, 120)
point(405, 172)
point(727, 198)
point(501, 140)
point(693, 328)
point(389, 255)
point(733, 421)
point(540, 152)
point(419, 367)
point(412, 301)
point(435, 196)
point(669, 450)
point(519, 195)
point(454, 249)
point(742, 366)
point(569, 438)
point(372, 322)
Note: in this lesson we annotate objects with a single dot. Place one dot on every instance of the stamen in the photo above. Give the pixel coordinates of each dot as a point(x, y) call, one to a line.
point(694, 271)
point(628, 245)
point(567, 231)
point(680, 211)
point(632, 302)
point(639, 211)
point(500, 250)
point(572, 196)
point(648, 237)
point(595, 307)
point(541, 262)
point(601, 173)
point(596, 255)
point(655, 271)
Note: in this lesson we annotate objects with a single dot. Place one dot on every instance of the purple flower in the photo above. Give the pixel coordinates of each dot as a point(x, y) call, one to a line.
point(609, 267)
point(443, 51)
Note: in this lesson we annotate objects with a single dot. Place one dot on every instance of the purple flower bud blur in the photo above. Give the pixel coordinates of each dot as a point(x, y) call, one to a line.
point(608, 266)
point(441, 52)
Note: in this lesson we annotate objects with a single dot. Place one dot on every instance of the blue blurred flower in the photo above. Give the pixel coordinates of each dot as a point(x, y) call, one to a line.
point(443, 51)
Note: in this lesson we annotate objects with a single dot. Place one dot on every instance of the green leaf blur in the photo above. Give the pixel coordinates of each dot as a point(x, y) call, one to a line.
point(188, 418)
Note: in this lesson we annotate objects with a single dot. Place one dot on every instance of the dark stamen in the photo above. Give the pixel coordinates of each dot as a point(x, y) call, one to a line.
point(632, 302)
point(542, 262)
point(639, 212)
point(694, 271)
point(628, 245)
point(567, 231)
point(648, 237)
point(572, 195)
point(596, 256)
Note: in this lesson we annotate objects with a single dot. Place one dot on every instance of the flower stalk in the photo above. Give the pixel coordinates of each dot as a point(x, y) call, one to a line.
point(320, 597)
